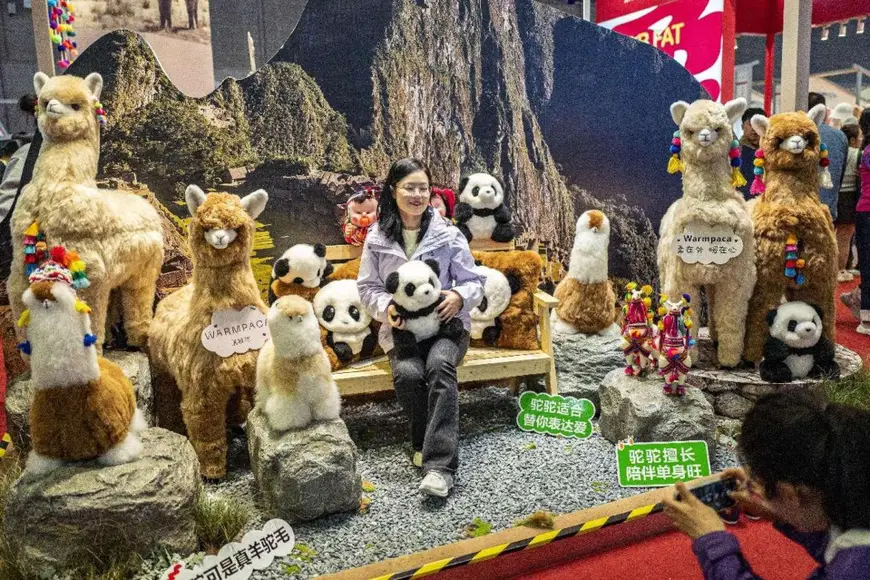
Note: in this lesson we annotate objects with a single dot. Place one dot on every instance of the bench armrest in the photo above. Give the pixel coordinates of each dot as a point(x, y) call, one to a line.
point(545, 300)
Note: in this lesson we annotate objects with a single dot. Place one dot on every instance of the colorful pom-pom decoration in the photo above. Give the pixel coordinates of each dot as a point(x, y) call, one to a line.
point(60, 19)
point(90, 340)
point(758, 187)
point(675, 164)
point(100, 112)
point(24, 347)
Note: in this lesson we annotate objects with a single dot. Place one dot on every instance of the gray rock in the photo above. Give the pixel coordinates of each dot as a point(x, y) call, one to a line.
point(583, 361)
point(632, 407)
point(20, 394)
point(755, 391)
point(729, 427)
point(137, 507)
point(717, 387)
point(306, 473)
point(732, 405)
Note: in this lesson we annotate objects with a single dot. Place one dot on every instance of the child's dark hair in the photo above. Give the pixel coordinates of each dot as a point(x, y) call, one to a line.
point(793, 437)
point(751, 112)
point(389, 220)
point(851, 132)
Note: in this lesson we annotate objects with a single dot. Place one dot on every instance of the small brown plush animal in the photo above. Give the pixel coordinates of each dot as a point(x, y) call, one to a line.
point(294, 378)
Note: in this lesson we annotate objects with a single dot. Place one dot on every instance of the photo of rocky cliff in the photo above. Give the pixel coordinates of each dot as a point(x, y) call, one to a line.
point(571, 116)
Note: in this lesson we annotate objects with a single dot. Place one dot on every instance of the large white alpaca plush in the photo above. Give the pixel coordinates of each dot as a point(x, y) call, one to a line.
point(709, 201)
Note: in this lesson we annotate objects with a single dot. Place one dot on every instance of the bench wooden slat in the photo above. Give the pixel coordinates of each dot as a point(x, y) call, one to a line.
point(346, 253)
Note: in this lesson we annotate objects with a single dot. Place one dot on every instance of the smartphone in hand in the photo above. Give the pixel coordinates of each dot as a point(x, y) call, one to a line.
point(715, 494)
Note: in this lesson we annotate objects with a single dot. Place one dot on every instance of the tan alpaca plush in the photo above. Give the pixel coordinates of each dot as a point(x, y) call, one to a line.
point(789, 211)
point(709, 199)
point(221, 240)
point(294, 378)
point(117, 234)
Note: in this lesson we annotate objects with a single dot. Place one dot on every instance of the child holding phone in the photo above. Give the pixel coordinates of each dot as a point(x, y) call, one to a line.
point(808, 471)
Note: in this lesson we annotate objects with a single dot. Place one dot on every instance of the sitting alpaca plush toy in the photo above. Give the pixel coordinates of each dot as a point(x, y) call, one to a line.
point(416, 292)
point(83, 407)
point(481, 212)
point(294, 380)
point(497, 291)
point(587, 303)
point(348, 325)
point(300, 271)
point(796, 347)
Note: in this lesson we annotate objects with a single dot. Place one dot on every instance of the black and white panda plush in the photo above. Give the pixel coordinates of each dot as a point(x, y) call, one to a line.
point(497, 292)
point(796, 347)
point(340, 311)
point(416, 292)
point(481, 212)
point(300, 271)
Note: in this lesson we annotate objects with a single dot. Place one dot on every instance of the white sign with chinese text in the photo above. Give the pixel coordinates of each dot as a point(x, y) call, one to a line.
point(238, 560)
point(235, 331)
point(700, 243)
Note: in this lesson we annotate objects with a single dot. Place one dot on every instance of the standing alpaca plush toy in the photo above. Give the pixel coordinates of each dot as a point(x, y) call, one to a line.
point(481, 212)
point(300, 271)
point(221, 240)
point(710, 210)
point(83, 407)
point(294, 378)
point(119, 235)
point(675, 343)
point(795, 241)
point(638, 331)
point(361, 211)
point(586, 300)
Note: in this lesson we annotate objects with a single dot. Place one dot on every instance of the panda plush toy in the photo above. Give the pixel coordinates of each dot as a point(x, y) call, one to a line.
point(497, 291)
point(416, 292)
point(481, 212)
point(348, 325)
point(300, 271)
point(796, 347)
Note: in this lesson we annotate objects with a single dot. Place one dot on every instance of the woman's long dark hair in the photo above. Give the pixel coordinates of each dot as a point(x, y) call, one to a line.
point(793, 437)
point(864, 124)
point(389, 220)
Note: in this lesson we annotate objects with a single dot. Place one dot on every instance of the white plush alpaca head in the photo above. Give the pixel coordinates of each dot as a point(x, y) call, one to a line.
point(293, 327)
point(705, 128)
point(481, 191)
point(219, 219)
point(66, 109)
point(791, 141)
point(415, 285)
point(339, 308)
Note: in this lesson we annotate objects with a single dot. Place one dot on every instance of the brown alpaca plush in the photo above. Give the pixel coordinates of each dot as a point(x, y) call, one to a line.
point(518, 323)
point(789, 213)
point(214, 390)
point(117, 234)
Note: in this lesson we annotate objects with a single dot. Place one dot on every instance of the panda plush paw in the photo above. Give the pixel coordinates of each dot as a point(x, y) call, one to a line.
point(405, 344)
point(452, 329)
point(463, 229)
point(775, 372)
point(503, 233)
point(343, 351)
point(491, 334)
point(463, 212)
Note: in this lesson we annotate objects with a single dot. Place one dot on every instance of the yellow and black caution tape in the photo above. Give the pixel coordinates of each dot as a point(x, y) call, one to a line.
point(528, 543)
point(4, 443)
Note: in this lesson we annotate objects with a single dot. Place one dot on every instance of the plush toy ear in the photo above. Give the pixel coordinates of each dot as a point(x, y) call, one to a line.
point(434, 265)
point(760, 123)
point(39, 80)
point(194, 197)
point(478, 263)
point(393, 282)
point(771, 316)
point(281, 268)
point(818, 114)
point(320, 250)
point(94, 82)
point(254, 203)
point(818, 310)
point(462, 182)
point(327, 271)
point(514, 283)
point(678, 111)
point(734, 109)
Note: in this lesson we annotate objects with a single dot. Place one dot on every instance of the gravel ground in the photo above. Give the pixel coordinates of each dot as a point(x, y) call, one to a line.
point(505, 474)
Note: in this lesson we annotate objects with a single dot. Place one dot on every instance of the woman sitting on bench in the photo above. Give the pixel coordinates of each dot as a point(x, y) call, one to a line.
point(426, 386)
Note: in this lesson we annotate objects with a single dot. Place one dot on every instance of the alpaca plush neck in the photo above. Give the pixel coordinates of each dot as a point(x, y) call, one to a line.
point(227, 286)
point(67, 162)
point(59, 357)
point(290, 349)
point(588, 263)
point(708, 181)
point(788, 187)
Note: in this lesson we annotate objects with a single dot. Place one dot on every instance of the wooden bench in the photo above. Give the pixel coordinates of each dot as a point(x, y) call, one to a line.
point(479, 365)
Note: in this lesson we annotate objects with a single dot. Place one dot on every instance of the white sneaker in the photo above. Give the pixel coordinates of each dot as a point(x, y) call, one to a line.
point(863, 328)
point(437, 484)
point(417, 459)
point(844, 276)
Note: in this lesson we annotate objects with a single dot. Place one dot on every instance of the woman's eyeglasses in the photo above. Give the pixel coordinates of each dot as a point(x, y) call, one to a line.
point(410, 188)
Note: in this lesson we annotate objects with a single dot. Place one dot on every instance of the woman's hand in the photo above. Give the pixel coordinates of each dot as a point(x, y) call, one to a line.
point(395, 320)
point(749, 497)
point(690, 515)
point(450, 306)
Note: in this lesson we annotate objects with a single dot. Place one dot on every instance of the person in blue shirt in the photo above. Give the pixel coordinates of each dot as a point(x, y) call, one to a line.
point(748, 144)
point(838, 149)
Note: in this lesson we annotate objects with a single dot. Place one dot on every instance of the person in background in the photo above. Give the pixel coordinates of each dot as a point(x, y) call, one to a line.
point(846, 202)
point(12, 172)
point(748, 144)
point(841, 114)
point(862, 222)
point(443, 200)
point(837, 150)
point(807, 469)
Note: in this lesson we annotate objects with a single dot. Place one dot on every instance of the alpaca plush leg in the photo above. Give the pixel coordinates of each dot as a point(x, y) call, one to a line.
point(767, 295)
point(729, 306)
point(329, 407)
point(124, 452)
point(137, 300)
point(712, 327)
point(286, 412)
point(138, 424)
point(204, 411)
point(15, 287)
point(560, 326)
point(38, 465)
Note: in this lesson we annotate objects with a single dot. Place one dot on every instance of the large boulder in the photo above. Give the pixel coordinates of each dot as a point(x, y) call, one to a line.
point(20, 394)
point(55, 520)
point(583, 361)
point(637, 407)
point(306, 473)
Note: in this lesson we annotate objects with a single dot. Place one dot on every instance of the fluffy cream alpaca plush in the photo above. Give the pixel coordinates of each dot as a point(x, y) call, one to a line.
point(587, 303)
point(710, 199)
point(118, 235)
point(294, 378)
